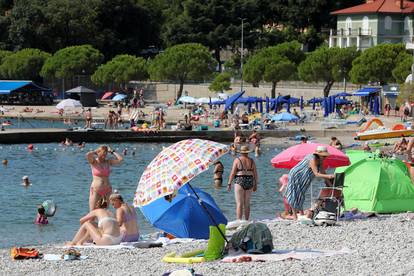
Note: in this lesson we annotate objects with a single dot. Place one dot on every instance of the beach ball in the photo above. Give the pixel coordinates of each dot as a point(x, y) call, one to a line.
point(50, 208)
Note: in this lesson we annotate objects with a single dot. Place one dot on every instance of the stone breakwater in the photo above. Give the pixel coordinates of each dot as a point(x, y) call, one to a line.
point(380, 246)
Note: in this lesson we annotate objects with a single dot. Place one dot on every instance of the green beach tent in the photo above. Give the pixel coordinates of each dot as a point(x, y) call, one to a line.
point(381, 185)
point(354, 156)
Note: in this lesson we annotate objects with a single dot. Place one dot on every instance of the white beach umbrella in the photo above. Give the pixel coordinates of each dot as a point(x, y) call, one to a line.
point(68, 103)
point(203, 100)
point(222, 96)
point(187, 99)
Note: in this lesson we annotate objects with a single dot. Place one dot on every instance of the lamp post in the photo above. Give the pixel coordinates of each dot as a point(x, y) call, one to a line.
point(410, 46)
point(241, 53)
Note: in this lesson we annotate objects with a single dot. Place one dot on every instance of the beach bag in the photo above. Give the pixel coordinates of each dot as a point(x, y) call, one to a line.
point(324, 218)
point(254, 238)
point(20, 253)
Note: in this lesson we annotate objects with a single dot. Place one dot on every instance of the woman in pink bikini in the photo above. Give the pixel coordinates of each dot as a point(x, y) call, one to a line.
point(101, 169)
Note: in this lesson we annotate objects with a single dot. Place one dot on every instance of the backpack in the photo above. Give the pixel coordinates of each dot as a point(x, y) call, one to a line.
point(254, 238)
point(324, 218)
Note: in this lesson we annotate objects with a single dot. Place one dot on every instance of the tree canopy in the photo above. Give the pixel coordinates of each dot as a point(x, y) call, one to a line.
point(120, 70)
point(71, 61)
point(377, 63)
point(327, 65)
point(24, 64)
point(221, 82)
point(273, 64)
point(189, 61)
point(403, 67)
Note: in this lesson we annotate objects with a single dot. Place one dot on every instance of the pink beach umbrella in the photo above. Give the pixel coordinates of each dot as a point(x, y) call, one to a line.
point(290, 157)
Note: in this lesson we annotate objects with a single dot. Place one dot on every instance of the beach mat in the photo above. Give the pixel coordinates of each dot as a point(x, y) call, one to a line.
point(281, 255)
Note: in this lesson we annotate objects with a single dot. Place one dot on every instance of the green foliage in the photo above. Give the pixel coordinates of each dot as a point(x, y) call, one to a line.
point(71, 61)
point(190, 61)
point(406, 93)
point(221, 82)
point(120, 70)
point(377, 63)
point(24, 64)
point(403, 68)
point(273, 64)
point(3, 54)
point(327, 65)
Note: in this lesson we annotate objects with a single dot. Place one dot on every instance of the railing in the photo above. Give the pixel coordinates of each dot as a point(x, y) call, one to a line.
point(351, 32)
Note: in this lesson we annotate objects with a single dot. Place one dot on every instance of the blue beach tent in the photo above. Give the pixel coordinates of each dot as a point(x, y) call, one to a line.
point(284, 117)
point(184, 217)
point(232, 100)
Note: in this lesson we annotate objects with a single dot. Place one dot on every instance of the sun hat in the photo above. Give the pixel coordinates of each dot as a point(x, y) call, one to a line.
point(25, 177)
point(321, 151)
point(244, 149)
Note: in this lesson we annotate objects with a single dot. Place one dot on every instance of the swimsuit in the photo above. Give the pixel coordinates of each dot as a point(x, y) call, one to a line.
point(113, 239)
point(101, 170)
point(245, 180)
point(130, 216)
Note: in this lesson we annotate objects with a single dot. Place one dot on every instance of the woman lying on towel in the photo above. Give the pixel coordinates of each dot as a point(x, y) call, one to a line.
point(106, 233)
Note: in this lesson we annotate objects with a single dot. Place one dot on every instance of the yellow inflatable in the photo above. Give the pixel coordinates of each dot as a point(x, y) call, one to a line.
point(188, 258)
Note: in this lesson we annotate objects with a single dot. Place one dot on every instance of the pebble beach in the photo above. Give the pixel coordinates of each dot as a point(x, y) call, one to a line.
point(378, 246)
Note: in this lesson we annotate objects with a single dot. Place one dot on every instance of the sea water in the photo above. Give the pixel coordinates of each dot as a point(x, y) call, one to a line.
point(63, 175)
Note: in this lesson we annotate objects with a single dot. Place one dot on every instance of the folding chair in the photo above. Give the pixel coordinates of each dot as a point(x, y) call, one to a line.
point(332, 198)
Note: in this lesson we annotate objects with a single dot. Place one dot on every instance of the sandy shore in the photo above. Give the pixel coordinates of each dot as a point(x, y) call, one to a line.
point(379, 246)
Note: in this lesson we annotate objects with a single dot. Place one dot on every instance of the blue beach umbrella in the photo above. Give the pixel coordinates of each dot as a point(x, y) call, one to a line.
point(301, 103)
point(284, 117)
point(267, 105)
point(232, 99)
point(249, 107)
point(261, 105)
point(342, 94)
point(119, 97)
point(325, 107)
point(376, 106)
point(184, 217)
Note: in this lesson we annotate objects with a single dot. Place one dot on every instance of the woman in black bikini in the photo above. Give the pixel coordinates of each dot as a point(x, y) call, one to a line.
point(244, 173)
point(218, 174)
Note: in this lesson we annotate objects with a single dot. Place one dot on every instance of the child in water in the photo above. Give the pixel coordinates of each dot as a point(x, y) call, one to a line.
point(283, 181)
point(41, 217)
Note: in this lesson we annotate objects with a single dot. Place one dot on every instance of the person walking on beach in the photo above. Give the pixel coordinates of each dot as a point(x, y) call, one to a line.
point(107, 232)
point(301, 176)
point(126, 217)
point(244, 173)
point(101, 169)
point(218, 174)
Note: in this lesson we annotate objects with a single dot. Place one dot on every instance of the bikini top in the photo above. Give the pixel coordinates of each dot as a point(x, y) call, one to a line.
point(101, 169)
point(244, 171)
point(104, 219)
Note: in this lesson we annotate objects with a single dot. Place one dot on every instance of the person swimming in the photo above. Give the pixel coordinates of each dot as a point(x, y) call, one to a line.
point(26, 182)
point(5, 162)
point(41, 216)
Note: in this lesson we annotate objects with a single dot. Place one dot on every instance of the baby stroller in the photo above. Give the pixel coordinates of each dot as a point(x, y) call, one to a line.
point(331, 200)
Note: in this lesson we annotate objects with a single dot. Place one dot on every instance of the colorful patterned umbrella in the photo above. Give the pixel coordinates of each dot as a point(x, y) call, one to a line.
point(175, 166)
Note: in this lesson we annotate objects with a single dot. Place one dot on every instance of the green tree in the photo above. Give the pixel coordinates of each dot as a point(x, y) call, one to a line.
point(327, 65)
point(120, 70)
point(190, 61)
point(403, 67)
point(377, 63)
point(24, 64)
point(273, 64)
point(406, 94)
point(71, 61)
point(221, 82)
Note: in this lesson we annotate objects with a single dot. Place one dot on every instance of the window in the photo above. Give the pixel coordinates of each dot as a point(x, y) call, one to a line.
point(406, 23)
point(388, 23)
point(348, 23)
point(365, 24)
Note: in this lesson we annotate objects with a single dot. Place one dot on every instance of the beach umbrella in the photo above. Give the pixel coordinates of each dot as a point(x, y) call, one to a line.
point(276, 104)
point(376, 184)
point(68, 103)
point(260, 105)
point(284, 117)
point(232, 99)
point(222, 96)
point(325, 107)
point(174, 167)
point(267, 105)
point(249, 107)
point(301, 103)
point(119, 97)
point(376, 106)
point(107, 95)
point(184, 217)
point(203, 100)
point(290, 157)
point(343, 94)
point(186, 100)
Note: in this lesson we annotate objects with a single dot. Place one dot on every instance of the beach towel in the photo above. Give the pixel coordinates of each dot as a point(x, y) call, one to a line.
point(281, 255)
point(57, 257)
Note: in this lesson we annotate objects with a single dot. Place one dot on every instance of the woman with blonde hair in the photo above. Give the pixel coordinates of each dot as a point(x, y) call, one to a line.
point(101, 169)
point(106, 233)
point(126, 217)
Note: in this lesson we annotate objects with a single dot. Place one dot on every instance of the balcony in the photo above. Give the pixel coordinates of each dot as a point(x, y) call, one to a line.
point(351, 32)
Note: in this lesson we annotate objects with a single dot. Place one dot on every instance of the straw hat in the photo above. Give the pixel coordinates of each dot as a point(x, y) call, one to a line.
point(321, 151)
point(244, 149)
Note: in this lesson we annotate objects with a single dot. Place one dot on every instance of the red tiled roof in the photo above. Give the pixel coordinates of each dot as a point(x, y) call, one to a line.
point(379, 6)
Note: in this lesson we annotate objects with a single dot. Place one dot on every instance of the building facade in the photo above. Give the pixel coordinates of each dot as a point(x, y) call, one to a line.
point(373, 23)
